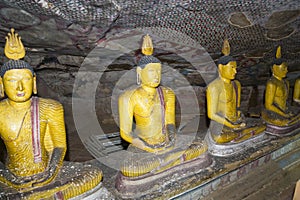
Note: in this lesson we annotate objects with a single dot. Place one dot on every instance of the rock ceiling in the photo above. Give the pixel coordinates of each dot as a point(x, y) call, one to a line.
point(75, 27)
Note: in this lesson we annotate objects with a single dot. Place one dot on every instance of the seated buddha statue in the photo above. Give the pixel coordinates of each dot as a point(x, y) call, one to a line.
point(296, 94)
point(152, 108)
point(33, 132)
point(277, 112)
point(228, 125)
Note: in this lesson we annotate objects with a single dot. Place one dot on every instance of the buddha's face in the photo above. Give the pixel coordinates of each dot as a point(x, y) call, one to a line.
point(18, 84)
point(150, 75)
point(228, 71)
point(280, 70)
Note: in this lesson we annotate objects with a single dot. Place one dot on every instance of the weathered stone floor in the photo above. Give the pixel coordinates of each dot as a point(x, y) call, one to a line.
point(269, 181)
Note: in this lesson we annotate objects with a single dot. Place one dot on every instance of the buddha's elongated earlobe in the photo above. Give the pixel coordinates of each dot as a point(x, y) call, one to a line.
point(1, 88)
point(272, 68)
point(220, 67)
point(34, 89)
point(138, 80)
point(138, 75)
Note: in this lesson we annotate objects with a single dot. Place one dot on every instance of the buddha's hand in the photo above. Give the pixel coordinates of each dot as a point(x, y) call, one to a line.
point(139, 143)
point(241, 118)
point(8, 175)
point(171, 130)
point(239, 124)
point(52, 168)
point(289, 115)
point(18, 180)
point(44, 176)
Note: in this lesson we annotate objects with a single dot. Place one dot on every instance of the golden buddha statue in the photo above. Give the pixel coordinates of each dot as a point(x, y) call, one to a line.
point(33, 132)
point(276, 112)
point(152, 107)
point(228, 125)
point(296, 94)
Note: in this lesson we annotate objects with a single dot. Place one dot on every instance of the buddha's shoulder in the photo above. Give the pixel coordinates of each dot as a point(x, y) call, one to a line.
point(237, 83)
point(49, 103)
point(164, 88)
point(3, 104)
point(217, 83)
point(129, 93)
point(273, 81)
point(167, 90)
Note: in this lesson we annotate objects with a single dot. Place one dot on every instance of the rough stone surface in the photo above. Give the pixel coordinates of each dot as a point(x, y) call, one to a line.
point(281, 18)
point(280, 33)
point(239, 19)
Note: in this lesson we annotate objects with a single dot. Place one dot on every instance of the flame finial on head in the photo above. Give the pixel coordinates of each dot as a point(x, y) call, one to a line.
point(14, 51)
point(226, 47)
point(14, 48)
point(278, 60)
point(147, 46)
point(278, 52)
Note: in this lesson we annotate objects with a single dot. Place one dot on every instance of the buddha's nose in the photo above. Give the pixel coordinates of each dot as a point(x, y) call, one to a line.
point(20, 86)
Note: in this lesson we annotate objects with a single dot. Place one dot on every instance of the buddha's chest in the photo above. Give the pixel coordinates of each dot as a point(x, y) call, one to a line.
point(227, 94)
point(281, 90)
point(146, 107)
point(17, 126)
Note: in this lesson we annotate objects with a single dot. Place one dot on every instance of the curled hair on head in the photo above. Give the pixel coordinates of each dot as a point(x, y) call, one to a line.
point(278, 61)
point(15, 64)
point(224, 60)
point(146, 60)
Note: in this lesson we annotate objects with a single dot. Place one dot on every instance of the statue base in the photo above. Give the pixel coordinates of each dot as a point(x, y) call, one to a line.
point(99, 192)
point(138, 187)
point(96, 193)
point(282, 131)
point(233, 148)
point(74, 181)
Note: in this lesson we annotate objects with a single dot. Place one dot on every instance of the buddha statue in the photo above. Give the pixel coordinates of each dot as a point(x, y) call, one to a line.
point(296, 94)
point(33, 131)
point(277, 113)
point(152, 108)
point(228, 124)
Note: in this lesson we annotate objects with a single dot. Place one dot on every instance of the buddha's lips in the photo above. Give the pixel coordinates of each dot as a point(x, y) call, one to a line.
point(21, 94)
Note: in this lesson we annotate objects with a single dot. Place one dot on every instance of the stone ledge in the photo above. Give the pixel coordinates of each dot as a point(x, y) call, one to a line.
point(277, 155)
